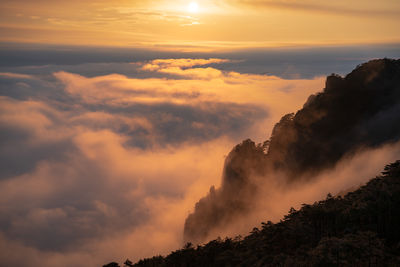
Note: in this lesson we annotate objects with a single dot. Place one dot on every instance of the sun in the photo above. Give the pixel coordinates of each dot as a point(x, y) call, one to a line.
point(193, 7)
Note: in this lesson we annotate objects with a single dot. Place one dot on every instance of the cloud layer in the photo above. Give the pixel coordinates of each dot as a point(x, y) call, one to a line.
point(99, 168)
point(339, 8)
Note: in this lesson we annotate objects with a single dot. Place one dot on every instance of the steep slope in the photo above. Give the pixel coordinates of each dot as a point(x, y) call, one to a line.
point(361, 110)
point(359, 229)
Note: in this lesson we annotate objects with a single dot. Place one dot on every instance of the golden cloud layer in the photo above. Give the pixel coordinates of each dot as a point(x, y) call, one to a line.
point(111, 166)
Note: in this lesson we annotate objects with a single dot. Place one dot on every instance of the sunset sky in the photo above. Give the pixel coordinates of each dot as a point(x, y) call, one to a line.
point(116, 116)
point(201, 25)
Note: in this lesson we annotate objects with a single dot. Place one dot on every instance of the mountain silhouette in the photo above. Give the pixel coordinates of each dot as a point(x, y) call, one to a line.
point(358, 111)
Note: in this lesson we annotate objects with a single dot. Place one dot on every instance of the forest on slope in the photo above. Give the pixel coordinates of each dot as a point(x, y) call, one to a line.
point(358, 229)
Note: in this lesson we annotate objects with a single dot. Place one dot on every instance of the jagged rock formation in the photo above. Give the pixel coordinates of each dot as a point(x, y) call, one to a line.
point(361, 110)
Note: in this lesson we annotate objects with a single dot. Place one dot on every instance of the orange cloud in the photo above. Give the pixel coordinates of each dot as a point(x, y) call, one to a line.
point(181, 63)
point(184, 67)
point(15, 75)
point(341, 8)
point(194, 86)
point(111, 166)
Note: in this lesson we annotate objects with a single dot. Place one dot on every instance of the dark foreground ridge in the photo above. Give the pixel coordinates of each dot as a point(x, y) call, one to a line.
point(358, 111)
point(360, 229)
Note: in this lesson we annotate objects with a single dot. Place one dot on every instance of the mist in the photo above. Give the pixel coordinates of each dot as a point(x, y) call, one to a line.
point(275, 198)
point(101, 168)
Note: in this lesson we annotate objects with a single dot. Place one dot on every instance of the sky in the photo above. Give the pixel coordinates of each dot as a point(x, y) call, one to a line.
point(116, 116)
point(201, 25)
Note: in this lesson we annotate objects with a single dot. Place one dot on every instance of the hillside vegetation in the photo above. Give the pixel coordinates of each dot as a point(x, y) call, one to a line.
point(359, 229)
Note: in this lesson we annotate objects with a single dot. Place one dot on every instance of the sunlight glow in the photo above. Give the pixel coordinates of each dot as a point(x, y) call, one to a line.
point(193, 7)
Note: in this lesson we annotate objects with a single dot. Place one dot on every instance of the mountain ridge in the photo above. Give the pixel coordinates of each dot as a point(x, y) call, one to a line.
point(360, 110)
